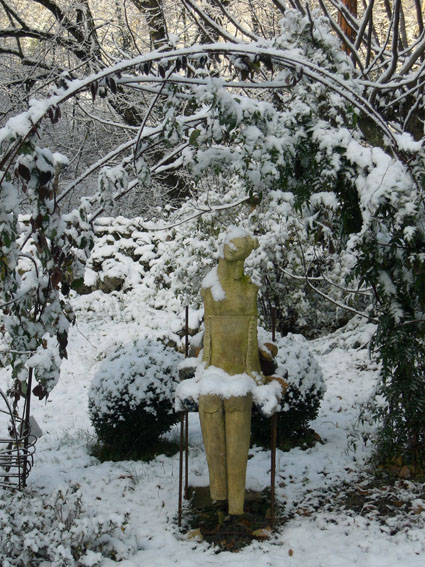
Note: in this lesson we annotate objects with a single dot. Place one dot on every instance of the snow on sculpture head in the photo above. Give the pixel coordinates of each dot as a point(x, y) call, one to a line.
point(238, 244)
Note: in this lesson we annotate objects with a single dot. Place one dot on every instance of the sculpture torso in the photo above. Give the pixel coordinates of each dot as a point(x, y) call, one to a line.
point(231, 327)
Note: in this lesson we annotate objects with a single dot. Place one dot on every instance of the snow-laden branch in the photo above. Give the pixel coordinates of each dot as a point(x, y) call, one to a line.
point(14, 300)
point(395, 22)
point(150, 109)
point(366, 20)
point(245, 31)
point(104, 121)
point(308, 282)
point(26, 122)
point(328, 281)
point(113, 154)
point(199, 214)
point(95, 166)
point(192, 6)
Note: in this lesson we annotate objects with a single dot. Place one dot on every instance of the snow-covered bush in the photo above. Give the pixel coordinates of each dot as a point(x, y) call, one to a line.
point(301, 402)
point(131, 397)
point(60, 530)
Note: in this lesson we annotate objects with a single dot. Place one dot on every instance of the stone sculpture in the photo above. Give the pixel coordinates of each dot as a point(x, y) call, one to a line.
point(230, 344)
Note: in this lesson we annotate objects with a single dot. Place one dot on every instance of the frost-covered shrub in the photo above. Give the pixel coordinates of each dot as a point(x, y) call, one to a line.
point(131, 397)
point(60, 530)
point(301, 403)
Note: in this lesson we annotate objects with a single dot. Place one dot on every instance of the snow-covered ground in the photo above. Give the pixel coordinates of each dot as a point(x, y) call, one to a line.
point(322, 529)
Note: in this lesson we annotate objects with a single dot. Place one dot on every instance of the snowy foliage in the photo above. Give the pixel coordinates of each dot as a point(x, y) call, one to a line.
point(59, 529)
point(316, 487)
point(41, 258)
point(131, 398)
point(304, 373)
point(300, 405)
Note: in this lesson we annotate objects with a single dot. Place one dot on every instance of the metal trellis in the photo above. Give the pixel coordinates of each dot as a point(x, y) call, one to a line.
point(16, 448)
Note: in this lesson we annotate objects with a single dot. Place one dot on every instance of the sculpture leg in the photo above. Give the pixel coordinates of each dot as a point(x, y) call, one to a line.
point(238, 429)
point(211, 415)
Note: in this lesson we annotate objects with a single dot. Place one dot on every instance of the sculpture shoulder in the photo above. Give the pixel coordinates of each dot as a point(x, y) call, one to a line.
point(251, 287)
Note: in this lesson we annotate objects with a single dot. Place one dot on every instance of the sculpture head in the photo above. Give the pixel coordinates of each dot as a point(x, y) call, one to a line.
point(238, 245)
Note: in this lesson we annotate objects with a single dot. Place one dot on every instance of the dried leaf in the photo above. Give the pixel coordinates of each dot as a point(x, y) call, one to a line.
point(56, 278)
point(24, 172)
point(39, 392)
point(93, 89)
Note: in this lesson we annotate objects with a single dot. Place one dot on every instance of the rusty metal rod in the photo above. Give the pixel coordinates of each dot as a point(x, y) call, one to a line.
point(26, 430)
point(273, 468)
point(186, 455)
point(273, 324)
point(186, 415)
point(180, 506)
point(186, 346)
point(273, 442)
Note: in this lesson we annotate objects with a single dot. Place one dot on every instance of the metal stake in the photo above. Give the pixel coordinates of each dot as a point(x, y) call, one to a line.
point(186, 417)
point(184, 438)
point(186, 346)
point(273, 441)
point(273, 324)
point(186, 455)
point(273, 467)
point(181, 469)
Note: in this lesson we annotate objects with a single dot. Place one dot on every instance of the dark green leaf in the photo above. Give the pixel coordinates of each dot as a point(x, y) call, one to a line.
point(193, 137)
point(77, 284)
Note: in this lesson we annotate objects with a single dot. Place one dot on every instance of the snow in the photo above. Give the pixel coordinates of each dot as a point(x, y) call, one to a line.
point(215, 381)
point(314, 535)
point(233, 232)
point(139, 371)
point(212, 281)
point(407, 143)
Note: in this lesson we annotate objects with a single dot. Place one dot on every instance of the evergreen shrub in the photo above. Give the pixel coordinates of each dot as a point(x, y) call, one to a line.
point(301, 403)
point(131, 397)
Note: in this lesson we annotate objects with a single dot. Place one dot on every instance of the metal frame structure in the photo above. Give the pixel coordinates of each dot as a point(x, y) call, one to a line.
point(17, 449)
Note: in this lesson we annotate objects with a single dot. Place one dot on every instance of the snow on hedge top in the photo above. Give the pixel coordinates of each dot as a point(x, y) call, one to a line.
point(135, 373)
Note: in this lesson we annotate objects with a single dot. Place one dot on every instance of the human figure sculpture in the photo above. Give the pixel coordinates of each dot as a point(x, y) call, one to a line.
point(231, 344)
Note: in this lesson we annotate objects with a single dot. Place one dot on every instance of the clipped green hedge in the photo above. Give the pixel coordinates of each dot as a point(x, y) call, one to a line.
point(131, 398)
